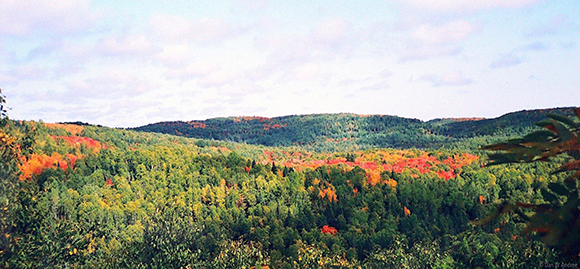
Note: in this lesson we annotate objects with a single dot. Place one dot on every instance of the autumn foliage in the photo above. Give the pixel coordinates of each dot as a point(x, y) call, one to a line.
point(73, 129)
point(34, 164)
point(37, 163)
point(407, 211)
point(77, 141)
point(397, 161)
point(329, 230)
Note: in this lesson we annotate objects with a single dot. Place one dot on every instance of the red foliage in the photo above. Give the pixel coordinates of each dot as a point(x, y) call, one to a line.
point(329, 230)
point(37, 163)
point(109, 182)
point(196, 124)
point(77, 141)
point(267, 127)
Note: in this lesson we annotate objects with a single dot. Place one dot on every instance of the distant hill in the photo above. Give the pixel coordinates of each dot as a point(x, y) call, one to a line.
point(515, 123)
point(328, 132)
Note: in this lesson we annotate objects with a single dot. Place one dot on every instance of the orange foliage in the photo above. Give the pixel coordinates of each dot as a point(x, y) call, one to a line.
point(481, 198)
point(220, 149)
point(328, 193)
point(315, 181)
point(77, 141)
point(391, 182)
point(37, 163)
point(73, 129)
point(374, 163)
point(407, 211)
point(373, 177)
point(329, 230)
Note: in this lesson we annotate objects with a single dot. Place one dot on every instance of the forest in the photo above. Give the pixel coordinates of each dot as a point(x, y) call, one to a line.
point(348, 132)
point(344, 192)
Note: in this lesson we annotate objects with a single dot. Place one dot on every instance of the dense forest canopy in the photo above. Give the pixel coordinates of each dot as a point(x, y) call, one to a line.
point(331, 132)
point(76, 195)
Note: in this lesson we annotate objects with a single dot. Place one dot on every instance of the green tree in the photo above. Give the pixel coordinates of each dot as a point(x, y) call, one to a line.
point(557, 221)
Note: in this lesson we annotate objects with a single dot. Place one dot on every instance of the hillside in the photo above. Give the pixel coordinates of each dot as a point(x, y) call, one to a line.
point(329, 132)
point(82, 196)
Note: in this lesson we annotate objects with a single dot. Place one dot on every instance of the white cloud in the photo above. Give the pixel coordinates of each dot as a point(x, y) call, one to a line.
point(467, 6)
point(427, 52)
point(174, 55)
point(176, 29)
point(112, 85)
point(218, 79)
point(442, 34)
point(23, 18)
point(19, 73)
point(552, 27)
point(447, 79)
point(428, 40)
point(386, 73)
point(506, 60)
point(381, 85)
point(125, 46)
point(330, 32)
point(536, 46)
point(254, 5)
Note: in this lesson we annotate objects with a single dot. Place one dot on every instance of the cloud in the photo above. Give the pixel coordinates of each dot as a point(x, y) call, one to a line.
point(552, 27)
point(176, 29)
point(331, 32)
point(238, 89)
point(447, 79)
point(19, 73)
point(217, 79)
point(386, 73)
point(466, 6)
point(296, 55)
point(425, 52)
point(196, 69)
point(428, 41)
point(254, 5)
point(443, 34)
point(536, 46)
point(111, 86)
point(125, 46)
point(174, 55)
point(381, 85)
point(24, 18)
point(506, 60)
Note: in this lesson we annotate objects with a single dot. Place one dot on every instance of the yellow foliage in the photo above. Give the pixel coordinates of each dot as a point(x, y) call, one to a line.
point(73, 129)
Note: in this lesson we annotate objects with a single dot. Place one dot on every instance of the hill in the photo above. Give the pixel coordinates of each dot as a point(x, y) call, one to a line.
point(330, 132)
point(86, 196)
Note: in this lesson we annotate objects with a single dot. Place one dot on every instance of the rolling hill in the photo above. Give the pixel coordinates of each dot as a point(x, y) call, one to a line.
point(329, 132)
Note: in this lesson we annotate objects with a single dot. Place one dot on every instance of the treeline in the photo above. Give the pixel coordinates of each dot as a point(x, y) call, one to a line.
point(347, 132)
point(87, 196)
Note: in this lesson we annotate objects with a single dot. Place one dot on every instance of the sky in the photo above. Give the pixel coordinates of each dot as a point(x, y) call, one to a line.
point(130, 63)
